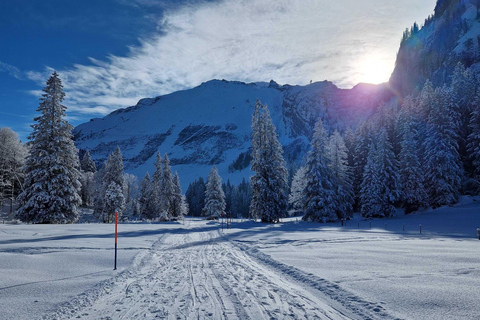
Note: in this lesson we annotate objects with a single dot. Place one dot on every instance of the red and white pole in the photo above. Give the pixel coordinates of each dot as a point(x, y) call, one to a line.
point(116, 223)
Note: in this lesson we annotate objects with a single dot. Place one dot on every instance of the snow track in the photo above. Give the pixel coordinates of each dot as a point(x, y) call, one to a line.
point(199, 274)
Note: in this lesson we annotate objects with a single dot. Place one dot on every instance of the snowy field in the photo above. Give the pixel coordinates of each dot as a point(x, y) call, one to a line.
point(292, 270)
point(435, 275)
point(42, 266)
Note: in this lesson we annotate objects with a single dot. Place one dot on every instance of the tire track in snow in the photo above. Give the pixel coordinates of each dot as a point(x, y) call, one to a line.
point(351, 303)
point(200, 275)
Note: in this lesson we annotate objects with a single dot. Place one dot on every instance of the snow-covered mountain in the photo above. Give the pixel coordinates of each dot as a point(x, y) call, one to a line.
point(450, 36)
point(211, 124)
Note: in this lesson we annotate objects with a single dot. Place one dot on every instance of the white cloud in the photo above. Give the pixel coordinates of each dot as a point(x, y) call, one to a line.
point(11, 70)
point(291, 41)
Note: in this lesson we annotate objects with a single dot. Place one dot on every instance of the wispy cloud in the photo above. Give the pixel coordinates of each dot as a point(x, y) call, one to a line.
point(291, 41)
point(11, 70)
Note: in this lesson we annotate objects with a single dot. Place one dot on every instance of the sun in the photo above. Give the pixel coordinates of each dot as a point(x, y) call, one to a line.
point(374, 70)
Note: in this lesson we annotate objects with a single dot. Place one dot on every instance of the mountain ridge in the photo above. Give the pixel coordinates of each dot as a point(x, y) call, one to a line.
point(210, 124)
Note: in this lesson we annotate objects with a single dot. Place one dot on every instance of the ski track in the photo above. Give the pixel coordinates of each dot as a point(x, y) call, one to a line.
point(202, 275)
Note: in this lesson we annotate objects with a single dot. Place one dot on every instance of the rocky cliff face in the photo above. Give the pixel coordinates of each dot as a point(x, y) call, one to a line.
point(211, 124)
point(452, 35)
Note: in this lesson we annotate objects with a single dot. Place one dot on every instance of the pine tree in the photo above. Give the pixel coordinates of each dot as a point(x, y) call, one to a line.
point(411, 176)
point(241, 199)
point(114, 202)
point(320, 190)
point(52, 187)
point(157, 204)
point(474, 139)
point(342, 175)
point(441, 158)
point(228, 190)
point(166, 190)
point(462, 92)
point(362, 145)
point(87, 179)
point(427, 99)
point(87, 164)
point(113, 182)
point(87, 192)
point(296, 199)
point(387, 166)
point(214, 196)
point(350, 144)
point(177, 199)
point(195, 196)
point(114, 169)
point(12, 160)
point(370, 193)
point(146, 198)
point(258, 159)
point(270, 182)
point(130, 193)
point(99, 194)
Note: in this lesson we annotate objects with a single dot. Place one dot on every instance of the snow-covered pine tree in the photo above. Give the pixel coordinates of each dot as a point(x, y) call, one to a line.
point(113, 175)
point(462, 92)
point(350, 144)
point(386, 118)
point(114, 202)
point(276, 188)
point(12, 160)
point(87, 193)
point(114, 169)
point(258, 159)
point(146, 198)
point(388, 175)
point(413, 193)
point(145, 195)
point(441, 159)
point(177, 199)
point(474, 139)
point(426, 100)
point(270, 197)
point(342, 175)
point(295, 198)
point(88, 169)
point(52, 186)
point(99, 194)
point(157, 203)
point(242, 197)
point(87, 164)
point(195, 196)
point(166, 189)
point(320, 190)
point(228, 190)
point(370, 198)
point(214, 196)
point(362, 144)
point(131, 194)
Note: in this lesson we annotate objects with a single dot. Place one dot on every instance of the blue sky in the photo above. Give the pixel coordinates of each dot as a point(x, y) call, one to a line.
point(111, 53)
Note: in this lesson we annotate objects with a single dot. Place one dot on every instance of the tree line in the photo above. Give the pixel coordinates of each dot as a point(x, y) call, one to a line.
point(420, 151)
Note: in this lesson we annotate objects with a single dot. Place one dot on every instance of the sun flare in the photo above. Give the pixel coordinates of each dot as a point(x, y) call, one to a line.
point(374, 70)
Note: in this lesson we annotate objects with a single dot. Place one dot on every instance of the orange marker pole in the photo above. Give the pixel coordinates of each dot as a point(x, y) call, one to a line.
point(116, 222)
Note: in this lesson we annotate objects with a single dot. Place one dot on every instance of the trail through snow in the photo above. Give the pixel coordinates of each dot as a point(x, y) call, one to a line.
point(199, 274)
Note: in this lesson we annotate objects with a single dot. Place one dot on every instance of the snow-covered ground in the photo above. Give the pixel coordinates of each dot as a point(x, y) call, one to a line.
point(434, 275)
point(42, 266)
point(290, 270)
